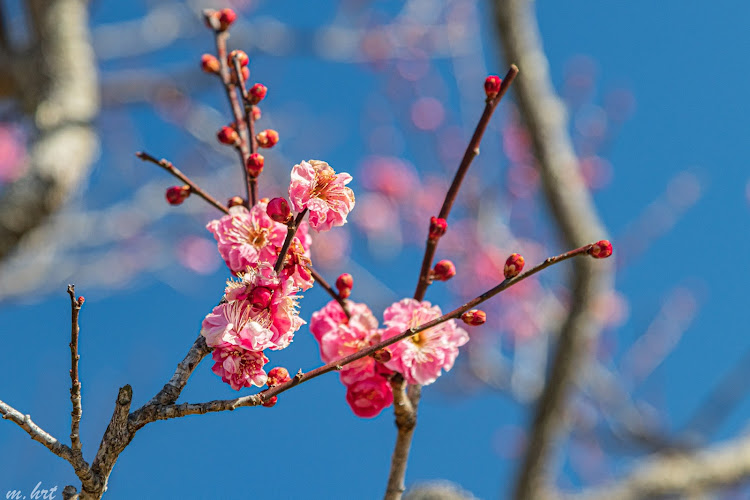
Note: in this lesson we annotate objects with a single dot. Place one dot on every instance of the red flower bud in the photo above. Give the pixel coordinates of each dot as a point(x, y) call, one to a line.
point(601, 249)
point(475, 317)
point(382, 356)
point(255, 164)
point(277, 376)
point(235, 201)
point(492, 86)
point(260, 297)
point(271, 402)
point(256, 113)
point(267, 139)
point(513, 266)
point(437, 227)
point(226, 18)
point(278, 210)
point(344, 284)
point(81, 300)
point(241, 56)
point(443, 271)
point(177, 194)
point(257, 93)
point(228, 135)
point(210, 64)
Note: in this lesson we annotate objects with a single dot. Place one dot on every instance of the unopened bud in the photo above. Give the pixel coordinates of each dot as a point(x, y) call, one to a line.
point(475, 317)
point(228, 135)
point(257, 93)
point(240, 55)
point(277, 376)
point(513, 266)
point(271, 402)
point(278, 210)
point(177, 194)
point(235, 201)
point(256, 113)
point(344, 285)
point(260, 297)
point(267, 139)
point(601, 249)
point(81, 300)
point(438, 227)
point(492, 86)
point(226, 18)
point(210, 64)
point(382, 356)
point(443, 271)
point(255, 164)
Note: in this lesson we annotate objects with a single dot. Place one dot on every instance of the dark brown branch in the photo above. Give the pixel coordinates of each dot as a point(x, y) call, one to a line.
point(290, 232)
point(250, 181)
point(472, 150)
point(169, 167)
point(575, 215)
point(75, 383)
point(150, 413)
point(319, 279)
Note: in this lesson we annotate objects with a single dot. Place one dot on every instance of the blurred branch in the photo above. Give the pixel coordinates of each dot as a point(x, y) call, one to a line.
point(575, 214)
point(59, 86)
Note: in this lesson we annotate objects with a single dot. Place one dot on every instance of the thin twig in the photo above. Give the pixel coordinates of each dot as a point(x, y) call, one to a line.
point(75, 383)
point(290, 232)
point(250, 181)
point(169, 167)
point(147, 414)
point(319, 279)
point(37, 433)
point(472, 150)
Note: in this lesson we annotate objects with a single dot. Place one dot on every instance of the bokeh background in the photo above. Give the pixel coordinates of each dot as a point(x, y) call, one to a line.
point(390, 92)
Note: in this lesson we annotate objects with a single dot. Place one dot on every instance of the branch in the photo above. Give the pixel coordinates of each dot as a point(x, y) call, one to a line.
point(319, 279)
point(58, 82)
point(172, 389)
point(250, 181)
point(679, 474)
point(405, 411)
point(291, 230)
point(169, 167)
point(575, 214)
point(75, 383)
point(37, 433)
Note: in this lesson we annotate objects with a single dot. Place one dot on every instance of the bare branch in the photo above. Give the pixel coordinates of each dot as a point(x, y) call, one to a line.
point(575, 214)
point(37, 433)
point(319, 279)
point(75, 383)
point(172, 389)
point(405, 411)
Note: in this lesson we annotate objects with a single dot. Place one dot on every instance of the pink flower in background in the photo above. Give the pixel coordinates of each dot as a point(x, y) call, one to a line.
point(421, 357)
point(272, 305)
point(239, 367)
point(368, 397)
point(247, 237)
point(317, 187)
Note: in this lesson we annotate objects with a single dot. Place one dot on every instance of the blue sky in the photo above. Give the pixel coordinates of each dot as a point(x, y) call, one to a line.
point(683, 61)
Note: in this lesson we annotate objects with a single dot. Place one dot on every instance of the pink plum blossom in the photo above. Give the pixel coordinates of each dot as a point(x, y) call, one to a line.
point(331, 316)
point(317, 187)
point(421, 357)
point(247, 237)
point(368, 397)
point(239, 367)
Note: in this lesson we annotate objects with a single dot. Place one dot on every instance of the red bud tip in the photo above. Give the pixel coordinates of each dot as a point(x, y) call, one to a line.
point(81, 300)
point(245, 73)
point(260, 297)
point(267, 139)
point(241, 56)
point(344, 284)
point(257, 93)
point(255, 164)
point(601, 249)
point(235, 201)
point(226, 18)
point(278, 210)
point(277, 376)
point(513, 266)
point(438, 227)
point(443, 271)
point(271, 402)
point(492, 86)
point(228, 135)
point(177, 194)
point(475, 317)
point(382, 356)
point(256, 113)
point(210, 64)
